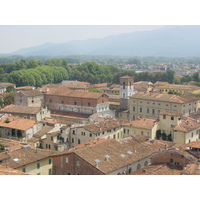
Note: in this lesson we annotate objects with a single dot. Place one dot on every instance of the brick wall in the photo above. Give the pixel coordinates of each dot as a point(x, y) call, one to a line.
point(75, 166)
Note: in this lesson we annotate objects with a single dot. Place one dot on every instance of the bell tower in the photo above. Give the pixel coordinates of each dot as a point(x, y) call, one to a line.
point(126, 90)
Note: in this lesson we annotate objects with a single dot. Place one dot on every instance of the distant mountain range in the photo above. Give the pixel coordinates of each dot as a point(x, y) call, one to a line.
point(166, 41)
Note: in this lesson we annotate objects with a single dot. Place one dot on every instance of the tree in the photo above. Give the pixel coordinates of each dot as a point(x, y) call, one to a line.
point(10, 88)
point(94, 90)
point(9, 98)
point(32, 64)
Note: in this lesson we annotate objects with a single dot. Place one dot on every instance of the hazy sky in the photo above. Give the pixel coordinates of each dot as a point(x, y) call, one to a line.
point(14, 37)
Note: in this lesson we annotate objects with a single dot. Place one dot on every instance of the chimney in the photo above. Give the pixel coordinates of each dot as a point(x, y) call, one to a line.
point(96, 165)
point(106, 159)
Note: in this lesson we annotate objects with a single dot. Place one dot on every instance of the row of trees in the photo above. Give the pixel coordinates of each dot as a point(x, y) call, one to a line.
point(38, 76)
point(35, 73)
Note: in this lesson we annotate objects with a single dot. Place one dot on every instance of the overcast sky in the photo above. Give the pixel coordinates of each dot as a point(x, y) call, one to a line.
point(14, 37)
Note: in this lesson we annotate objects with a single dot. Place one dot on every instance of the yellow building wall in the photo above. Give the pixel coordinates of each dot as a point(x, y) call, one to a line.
point(184, 138)
point(133, 166)
point(43, 170)
point(151, 133)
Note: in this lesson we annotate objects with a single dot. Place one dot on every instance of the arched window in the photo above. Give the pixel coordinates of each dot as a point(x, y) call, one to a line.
point(138, 166)
point(130, 170)
point(146, 163)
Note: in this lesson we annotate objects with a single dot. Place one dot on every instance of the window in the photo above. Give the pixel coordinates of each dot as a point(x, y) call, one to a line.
point(75, 103)
point(62, 102)
point(32, 101)
point(73, 132)
point(88, 104)
point(49, 146)
point(67, 160)
point(50, 171)
point(138, 166)
point(192, 134)
point(140, 109)
point(153, 111)
point(24, 169)
point(147, 110)
point(142, 133)
point(130, 170)
point(164, 116)
point(133, 109)
point(166, 104)
point(38, 165)
point(172, 118)
point(83, 133)
point(72, 140)
point(114, 137)
point(50, 100)
point(51, 138)
point(146, 163)
point(38, 173)
point(78, 163)
point(79, 141)
point(50, 161)
point(91, 134)
point(123, 85)
point(46, 146)
point(67, 140)
point(171, 160)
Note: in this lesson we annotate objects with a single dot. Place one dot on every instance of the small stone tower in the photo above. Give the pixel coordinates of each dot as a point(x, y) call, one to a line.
point(126, 90)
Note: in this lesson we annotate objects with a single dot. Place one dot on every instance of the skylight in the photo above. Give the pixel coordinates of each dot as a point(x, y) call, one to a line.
point(122, 155)
point(129, 152)
point(97, 160)
point(107, 156)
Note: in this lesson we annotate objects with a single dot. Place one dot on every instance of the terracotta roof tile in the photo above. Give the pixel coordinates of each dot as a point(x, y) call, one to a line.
point(16, 122)
point(187, 125)
point(74, 93)
point(114, 149)
point(43, 131)
point(146, 123)
point(103, 124)
point(9, 171)
point(160, 169)
point(155, 96)
point(31, 93)
point(20, 109)
point(25, 156)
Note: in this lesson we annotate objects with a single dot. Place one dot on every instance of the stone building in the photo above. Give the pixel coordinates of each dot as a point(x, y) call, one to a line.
point(32, 98)
point(18, 128)
point(29, 160)
point(126, 91)
point(84, 102)
point(150, 104)
point(106, 157)
point(34, 113)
